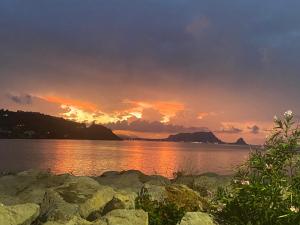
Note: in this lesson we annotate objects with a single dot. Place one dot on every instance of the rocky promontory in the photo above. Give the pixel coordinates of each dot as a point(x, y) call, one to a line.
point(114, 198)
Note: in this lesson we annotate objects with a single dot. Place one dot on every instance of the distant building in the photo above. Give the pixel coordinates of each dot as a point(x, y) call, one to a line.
point(29, 133)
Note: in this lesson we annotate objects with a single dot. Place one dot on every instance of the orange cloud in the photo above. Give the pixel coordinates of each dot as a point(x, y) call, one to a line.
point(82, 111)
point(205, 114)
point(167, 109)
point(71, 102)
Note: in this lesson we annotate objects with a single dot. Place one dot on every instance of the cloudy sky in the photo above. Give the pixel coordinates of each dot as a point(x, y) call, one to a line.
point(153, 67)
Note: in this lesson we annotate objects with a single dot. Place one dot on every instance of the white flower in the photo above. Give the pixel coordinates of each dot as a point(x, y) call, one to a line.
point(294, 209)
point(269, 166)
point(275, 118)
point(245, 182)
point(288, 113)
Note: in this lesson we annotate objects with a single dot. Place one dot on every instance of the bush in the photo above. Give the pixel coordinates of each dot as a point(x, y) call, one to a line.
point(266, 190)
point(160, 213)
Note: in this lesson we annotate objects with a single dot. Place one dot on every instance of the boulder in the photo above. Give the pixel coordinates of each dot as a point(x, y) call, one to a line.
point(128, 180)
point(155, 180)
point(197, 218)
point(182, 196)
point(23, 214)
point(121, 200)
point(29, 186)
point(9, 200)
point(126, 217)
point(132, 180)
point(97, 201)
point(154, 192)
point(77, 196)
point(13, 185)
point(110, 173)
point(73, 221)
point(55, 208)
point(206, 184)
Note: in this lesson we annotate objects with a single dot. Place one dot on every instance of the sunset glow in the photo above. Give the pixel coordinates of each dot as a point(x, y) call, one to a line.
point(189, 67)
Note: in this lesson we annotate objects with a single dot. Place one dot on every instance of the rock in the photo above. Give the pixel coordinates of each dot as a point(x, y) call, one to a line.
point(121, 200)
point(126, 217)
point(155, 180)
point(196, 218)
point(12, 185)
point(155, 193)
point(74, 221)
point(97, 201)
point(77, 196)
point(205, 184)
point(208, 185)
point(9, 200)
point(182, 196)
point(128, 180)
point(110, 173)
point(132, 180)
point(29, 186)
point(23, 214)
point(55, 208)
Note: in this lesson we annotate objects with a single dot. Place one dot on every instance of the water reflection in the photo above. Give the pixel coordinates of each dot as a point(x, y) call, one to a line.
point(95, 157)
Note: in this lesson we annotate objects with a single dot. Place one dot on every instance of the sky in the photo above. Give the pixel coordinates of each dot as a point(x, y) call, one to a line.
point(151, 68)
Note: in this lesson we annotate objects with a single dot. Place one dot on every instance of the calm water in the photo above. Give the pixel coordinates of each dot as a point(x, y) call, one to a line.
point(95, 157)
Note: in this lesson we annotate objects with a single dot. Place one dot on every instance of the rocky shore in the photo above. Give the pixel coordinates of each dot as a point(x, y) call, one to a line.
point(42, 198)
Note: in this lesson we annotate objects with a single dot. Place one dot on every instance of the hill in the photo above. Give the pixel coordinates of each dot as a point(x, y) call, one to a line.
point(204, 137)
point(240, 141)
point(32, 125)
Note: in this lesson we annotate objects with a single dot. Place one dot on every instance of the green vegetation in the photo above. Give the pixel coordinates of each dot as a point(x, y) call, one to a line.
point(160, 213)
point(266, 190)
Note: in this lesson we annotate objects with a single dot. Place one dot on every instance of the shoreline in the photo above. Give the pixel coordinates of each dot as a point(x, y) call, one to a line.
point(59, 199)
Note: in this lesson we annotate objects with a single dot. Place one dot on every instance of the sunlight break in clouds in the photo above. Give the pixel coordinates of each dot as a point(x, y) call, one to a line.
point(166, 109)
point(87, 112)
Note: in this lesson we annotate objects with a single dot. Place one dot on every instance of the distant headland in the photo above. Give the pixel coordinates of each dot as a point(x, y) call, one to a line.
point(33, 125)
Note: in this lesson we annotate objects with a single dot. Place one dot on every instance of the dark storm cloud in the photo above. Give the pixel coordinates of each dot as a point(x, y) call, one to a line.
point(236, 41)
point(230, 130)
point(25, 99)
point(154, 126)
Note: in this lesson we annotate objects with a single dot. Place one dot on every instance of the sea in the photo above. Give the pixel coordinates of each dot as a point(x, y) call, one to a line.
point(92, 157)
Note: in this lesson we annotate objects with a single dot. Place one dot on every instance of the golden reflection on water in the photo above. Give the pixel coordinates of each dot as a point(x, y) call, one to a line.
point(95, 157)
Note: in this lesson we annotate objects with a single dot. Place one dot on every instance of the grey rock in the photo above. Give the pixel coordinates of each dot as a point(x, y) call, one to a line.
point(126, 217)
point(29, 186)
point(154, 192)
point(121, 200)
point(197, 218)
point(55, 208)
point(73, 221)
point(77, 196)
point(23, 214)
point(206, 184)
point(129, 180)
point(155, 180)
